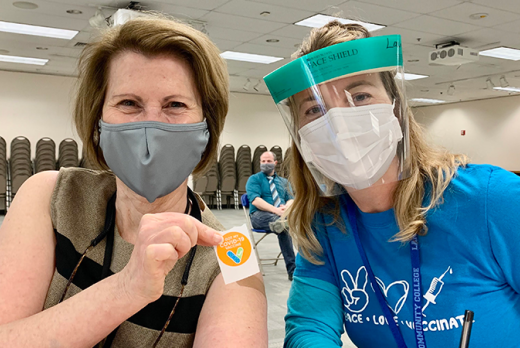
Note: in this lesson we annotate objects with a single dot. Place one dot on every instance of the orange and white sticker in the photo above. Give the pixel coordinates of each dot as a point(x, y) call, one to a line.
point(236, 255)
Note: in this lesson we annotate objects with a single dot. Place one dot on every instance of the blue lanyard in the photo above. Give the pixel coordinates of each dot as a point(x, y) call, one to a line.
point(416, 276)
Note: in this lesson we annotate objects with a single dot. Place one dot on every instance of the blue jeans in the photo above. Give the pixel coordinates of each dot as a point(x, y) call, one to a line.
point(260, 220)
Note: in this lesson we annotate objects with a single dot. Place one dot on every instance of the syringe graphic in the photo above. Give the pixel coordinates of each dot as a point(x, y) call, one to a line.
point(434, 290)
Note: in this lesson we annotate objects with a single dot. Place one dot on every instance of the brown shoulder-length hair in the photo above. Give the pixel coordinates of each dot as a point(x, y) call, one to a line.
point(153, 36)
point(427, 164)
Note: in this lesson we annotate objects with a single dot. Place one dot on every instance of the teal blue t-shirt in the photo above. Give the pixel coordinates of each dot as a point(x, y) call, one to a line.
point(258, 186)
point(469, 260)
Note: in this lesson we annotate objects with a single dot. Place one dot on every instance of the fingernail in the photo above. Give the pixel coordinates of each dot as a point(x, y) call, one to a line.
point(217, 237)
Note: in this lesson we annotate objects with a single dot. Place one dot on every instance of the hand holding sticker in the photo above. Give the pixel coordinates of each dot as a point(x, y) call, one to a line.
point(234, 255)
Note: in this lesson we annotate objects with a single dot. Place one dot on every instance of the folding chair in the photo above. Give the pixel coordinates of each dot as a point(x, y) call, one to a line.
point(245, 206)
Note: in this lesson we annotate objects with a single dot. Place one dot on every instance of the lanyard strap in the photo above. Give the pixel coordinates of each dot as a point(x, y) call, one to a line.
point(416, 273)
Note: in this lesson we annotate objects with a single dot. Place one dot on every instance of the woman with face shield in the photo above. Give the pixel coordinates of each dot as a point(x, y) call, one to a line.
point(124, 258)
point(397, 238)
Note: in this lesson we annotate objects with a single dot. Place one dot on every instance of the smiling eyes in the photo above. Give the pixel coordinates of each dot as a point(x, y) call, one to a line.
point(128, 103)
point(358, 99)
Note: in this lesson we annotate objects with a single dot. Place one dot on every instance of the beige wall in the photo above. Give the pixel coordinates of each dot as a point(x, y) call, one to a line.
point(492, 129)
point(35, 106)
point(40, 105)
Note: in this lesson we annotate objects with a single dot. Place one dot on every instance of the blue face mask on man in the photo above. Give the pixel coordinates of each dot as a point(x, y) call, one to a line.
point(153, 158)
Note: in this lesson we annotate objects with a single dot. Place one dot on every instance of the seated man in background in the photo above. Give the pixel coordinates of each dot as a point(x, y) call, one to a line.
point(269, 197)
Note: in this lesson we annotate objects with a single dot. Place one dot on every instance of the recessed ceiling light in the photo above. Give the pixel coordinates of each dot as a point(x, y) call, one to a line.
point(320, 20)
point(248, 57)
point(409, 77)
point(23, 60)
point(25, 5)
point(76, 12)
point(35, 30)
point(502, 52)
point(429, 101)
point(265, 13)
point(509, 89)
point(477, 16)
point(272, 40)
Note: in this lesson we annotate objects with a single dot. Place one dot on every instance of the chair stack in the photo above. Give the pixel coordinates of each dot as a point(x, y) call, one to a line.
point(20, 163)
point(68, 153)
point(260, 149)
point(211, 193)
point(228, 174)
point(244, 168)
point(45, 158)
point(277, 150)
point(3, 175)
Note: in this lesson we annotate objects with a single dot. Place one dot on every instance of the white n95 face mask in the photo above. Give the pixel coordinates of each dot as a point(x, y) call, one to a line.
point(353, 146)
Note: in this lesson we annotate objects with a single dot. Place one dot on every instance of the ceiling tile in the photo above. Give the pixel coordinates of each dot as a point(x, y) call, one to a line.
point(239, 23)
point(253, 9)
point(409, 36)
point(462, 12)
point(216, 32)
point(310, 5)
point(417, 6)
point(285, 43)
point(435, 25)
point(225, 45)
point(265, 50)
point(292, 31)
point(513, 27)
point(10, 14)
point(506, 5)
point(177, 11)
point(374, 13)
point(196, 4)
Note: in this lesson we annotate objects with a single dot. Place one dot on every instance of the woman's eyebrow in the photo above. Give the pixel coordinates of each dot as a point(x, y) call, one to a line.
point(359, 83)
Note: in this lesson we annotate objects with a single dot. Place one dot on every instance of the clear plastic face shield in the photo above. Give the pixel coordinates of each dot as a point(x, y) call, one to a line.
point(346, 111)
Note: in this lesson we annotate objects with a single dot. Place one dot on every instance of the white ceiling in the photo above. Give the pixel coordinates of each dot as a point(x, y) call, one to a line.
point(237, 25)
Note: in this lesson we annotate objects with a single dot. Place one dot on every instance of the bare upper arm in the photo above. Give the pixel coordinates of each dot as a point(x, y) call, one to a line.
point(234, 315)
point(27, 244)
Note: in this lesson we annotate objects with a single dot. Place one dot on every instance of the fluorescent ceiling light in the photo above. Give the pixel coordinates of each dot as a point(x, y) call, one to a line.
point(502, 52)
point(248, 57)
point(23, 60)
point(26, 29)
point(429, 101)
point(509, 89)
point(409, 77)
point(320, 20)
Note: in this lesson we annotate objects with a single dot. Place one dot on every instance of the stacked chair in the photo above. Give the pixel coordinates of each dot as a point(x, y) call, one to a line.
point(244, 168)
point(260, 149)
point(45, 158)
point(277, 150)
point(3, 176)
point(228, 175)
point(68, 153)
point(210, 194)
point(200, 184)
point(20, 164)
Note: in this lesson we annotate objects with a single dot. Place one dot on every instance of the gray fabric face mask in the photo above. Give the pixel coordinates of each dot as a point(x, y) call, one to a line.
point(267, 168)
point(153, 158)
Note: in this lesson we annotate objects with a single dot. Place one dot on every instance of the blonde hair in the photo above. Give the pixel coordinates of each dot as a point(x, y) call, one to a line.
point(151, 37)
point(427, 165)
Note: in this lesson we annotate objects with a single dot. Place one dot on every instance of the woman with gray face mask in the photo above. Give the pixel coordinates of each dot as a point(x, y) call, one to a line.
point(124, 258)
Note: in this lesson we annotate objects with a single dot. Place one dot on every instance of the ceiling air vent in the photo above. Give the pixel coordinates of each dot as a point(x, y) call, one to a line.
point(80, 44)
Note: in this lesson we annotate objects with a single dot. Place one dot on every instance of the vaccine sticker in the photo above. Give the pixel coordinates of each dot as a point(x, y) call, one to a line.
point(236, 255)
